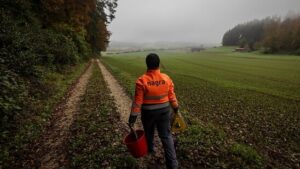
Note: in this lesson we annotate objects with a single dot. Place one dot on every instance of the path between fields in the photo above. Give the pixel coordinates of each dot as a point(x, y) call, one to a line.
point(50, 149)
point(123, 104)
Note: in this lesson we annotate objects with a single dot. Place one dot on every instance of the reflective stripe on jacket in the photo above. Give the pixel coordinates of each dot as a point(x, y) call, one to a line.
point(153, 88)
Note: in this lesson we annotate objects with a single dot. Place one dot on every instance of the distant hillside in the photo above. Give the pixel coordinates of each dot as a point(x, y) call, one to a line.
point(116, 45)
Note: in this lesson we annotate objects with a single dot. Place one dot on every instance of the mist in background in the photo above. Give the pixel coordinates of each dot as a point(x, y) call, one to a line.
point(191, 21)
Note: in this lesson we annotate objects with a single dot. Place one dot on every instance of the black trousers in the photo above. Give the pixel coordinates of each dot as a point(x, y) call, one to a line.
point(161, 120)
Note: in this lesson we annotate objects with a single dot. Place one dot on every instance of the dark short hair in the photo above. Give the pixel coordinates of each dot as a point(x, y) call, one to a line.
point(152, 61)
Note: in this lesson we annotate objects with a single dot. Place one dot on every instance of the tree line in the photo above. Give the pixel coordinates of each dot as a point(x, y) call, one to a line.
point(272, 34)
point(42, 36)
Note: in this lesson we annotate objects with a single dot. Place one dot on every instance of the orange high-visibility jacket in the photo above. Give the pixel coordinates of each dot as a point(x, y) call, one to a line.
point(153, 88)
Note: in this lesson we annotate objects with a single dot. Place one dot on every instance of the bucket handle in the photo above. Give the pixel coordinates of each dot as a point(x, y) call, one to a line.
point(133, 131)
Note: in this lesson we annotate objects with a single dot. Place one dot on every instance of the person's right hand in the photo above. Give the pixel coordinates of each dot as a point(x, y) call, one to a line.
point(132, 120)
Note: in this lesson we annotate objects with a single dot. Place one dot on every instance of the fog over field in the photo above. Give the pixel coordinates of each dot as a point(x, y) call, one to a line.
point(196, 21)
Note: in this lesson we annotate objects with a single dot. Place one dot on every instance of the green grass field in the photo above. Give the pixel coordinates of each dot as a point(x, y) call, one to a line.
point(254, 98)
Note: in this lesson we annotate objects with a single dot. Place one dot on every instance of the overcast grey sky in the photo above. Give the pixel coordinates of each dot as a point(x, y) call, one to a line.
point(200, 21)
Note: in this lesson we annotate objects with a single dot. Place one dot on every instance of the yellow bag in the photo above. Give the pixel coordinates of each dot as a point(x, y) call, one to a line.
point(178, 123)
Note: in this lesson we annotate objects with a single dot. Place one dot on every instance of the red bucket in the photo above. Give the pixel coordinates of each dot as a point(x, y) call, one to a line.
point(137, 147)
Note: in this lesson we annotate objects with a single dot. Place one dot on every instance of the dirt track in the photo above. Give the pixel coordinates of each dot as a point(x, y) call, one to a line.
point(123, 102)
point(50, 150)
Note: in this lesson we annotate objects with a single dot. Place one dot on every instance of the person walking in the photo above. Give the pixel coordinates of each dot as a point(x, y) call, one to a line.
point(154, 99)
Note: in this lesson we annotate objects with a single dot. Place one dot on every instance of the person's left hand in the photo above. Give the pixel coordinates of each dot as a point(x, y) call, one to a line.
point(175, 110)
